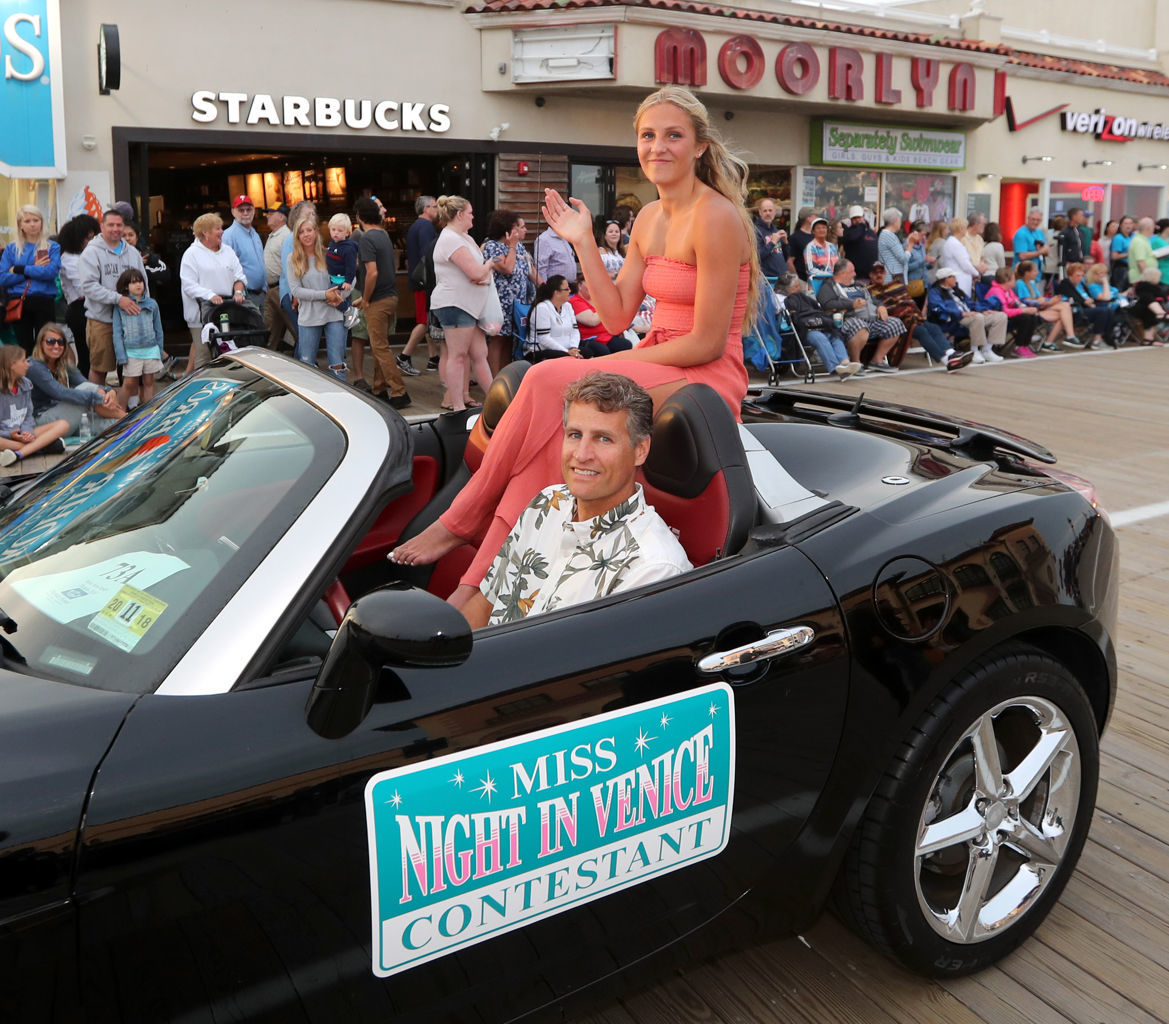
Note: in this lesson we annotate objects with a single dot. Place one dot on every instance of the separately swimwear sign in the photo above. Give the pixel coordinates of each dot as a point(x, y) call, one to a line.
point(470, 846)
point(879, 145)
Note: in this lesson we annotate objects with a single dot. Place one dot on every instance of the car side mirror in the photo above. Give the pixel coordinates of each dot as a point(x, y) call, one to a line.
point(398, 625)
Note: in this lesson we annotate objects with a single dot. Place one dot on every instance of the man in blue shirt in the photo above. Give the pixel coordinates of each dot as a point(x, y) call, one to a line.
point(1030, 243)
point(248, 246)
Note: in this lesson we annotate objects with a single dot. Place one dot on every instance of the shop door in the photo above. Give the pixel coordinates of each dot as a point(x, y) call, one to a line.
point(594, 185)
point(472, 175)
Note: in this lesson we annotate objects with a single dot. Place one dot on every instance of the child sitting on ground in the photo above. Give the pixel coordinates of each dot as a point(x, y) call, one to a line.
point(341, 262)
point(138, 340)
point(19, 433)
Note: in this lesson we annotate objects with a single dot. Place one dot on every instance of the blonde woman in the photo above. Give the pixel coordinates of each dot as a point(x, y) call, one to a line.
point(956, 255)
point(317, 299)
point(29, 267)
point(210, 271)
point(694, 249)
point(59, 390)
point(460, 295)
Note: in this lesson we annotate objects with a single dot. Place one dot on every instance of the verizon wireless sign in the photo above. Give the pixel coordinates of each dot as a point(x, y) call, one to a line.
point(1112, 127)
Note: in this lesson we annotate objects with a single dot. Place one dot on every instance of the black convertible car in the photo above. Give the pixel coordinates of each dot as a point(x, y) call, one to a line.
point(250, 771)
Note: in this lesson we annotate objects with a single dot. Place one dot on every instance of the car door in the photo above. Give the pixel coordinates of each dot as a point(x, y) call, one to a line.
point(229, 856)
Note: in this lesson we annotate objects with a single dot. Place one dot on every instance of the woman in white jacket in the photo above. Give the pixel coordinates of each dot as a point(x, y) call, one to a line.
point(553, 329)
point(956, 256)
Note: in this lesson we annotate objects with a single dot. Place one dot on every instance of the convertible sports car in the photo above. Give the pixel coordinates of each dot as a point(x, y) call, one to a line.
point(250, 770)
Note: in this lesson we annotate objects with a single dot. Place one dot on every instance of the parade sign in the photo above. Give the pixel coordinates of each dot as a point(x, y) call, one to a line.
point(32, 99)
point(466, 847)
point(879, 145)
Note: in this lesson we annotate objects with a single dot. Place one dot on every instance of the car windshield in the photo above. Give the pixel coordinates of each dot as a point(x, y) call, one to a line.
point(114, 562)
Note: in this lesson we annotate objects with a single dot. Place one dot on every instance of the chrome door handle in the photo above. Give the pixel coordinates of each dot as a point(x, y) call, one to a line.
point(777, 642)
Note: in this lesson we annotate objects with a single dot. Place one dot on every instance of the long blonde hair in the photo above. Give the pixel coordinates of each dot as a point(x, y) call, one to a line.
point(718, 168)
point(61, 371)
point(42, 241)
point(298, 262)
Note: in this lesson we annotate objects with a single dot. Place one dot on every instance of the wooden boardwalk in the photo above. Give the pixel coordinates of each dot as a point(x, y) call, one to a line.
point(1102, 956)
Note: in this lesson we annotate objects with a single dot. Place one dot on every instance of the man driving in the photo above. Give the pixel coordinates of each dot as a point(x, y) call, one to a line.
point(594, 534)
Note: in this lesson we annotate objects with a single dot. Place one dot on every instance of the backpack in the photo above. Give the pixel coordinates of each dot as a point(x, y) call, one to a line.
point(422, 278)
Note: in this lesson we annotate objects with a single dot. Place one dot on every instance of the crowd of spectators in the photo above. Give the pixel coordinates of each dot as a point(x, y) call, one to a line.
point(861, 298)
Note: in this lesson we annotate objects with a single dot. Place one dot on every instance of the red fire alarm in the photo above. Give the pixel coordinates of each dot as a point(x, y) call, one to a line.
point(522, 168)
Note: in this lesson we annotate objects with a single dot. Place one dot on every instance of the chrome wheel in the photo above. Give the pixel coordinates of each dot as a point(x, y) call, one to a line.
point(997, 820)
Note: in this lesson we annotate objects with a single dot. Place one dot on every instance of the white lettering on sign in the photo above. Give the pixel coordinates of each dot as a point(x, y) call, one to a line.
point(318, 112)
point(1112, 127)
point(22, 45)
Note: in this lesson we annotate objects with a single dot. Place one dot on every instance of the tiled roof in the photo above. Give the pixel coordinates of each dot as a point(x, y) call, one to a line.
point(1023, 58)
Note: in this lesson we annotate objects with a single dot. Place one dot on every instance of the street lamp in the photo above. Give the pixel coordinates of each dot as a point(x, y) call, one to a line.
point(1153, 167)
point(1095, 163)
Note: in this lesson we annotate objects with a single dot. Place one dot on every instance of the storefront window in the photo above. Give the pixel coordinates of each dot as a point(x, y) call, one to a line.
point(773, 183)
point(1068, 195)
point(633, 188)
point(928, 197)
point(17, 192)
point(831, 192)
point(1136, 201)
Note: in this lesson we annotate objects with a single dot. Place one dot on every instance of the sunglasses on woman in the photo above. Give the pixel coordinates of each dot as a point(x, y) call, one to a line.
point(54, 341)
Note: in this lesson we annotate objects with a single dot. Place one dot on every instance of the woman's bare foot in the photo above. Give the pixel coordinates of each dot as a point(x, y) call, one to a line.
point(428, 547)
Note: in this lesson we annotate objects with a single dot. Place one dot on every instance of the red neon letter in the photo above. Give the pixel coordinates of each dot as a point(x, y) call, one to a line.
point(961, 90)
point(740, 62)
point(680, 57)
point(797, 68)
point(924, 75)
point(845, 66)
point(884, 92)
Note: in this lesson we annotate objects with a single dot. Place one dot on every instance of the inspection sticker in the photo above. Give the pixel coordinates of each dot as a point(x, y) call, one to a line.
point(126, 618)
point(469, 846)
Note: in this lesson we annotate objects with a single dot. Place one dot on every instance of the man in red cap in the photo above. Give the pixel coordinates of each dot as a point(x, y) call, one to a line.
point(249, 247)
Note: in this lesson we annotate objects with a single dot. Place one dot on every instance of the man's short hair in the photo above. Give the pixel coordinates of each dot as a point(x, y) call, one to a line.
point(420, 204)
point(112, 212)
point(891, 215)
point(1074, 210)
point(614, 392)
point(367, 211)
point(841, 265)
point(975, 218)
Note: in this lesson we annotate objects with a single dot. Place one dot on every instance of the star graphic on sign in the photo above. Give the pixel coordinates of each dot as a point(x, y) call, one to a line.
point(665, 720)
point(396, 799)
point(487, 787)
point(642, 740)
point(458, 779)
point(713, 709)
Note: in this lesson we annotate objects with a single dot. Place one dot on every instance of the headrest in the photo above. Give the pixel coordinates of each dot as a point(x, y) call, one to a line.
point(694, 437)
point(502, 390)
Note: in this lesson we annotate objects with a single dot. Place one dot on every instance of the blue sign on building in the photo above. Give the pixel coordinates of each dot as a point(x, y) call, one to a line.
point(32, 105)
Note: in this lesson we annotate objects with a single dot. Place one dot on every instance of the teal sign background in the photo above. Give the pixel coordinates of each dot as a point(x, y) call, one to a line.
point(466, 847)
point(32, 141)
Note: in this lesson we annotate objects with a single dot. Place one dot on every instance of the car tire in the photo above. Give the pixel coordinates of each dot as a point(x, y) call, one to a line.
point(945, 875)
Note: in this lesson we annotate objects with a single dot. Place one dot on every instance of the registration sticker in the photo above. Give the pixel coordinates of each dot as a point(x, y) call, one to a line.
point(126, 618)
point(466, 847)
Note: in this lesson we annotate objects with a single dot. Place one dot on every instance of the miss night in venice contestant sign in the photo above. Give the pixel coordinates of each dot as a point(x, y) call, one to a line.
point(466, 847)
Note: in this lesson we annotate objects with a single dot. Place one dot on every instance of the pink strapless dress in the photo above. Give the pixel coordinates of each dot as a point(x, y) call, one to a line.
point(524, 454)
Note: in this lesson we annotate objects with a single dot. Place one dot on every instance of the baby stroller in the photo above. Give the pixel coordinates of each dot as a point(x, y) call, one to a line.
point(231, 325)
